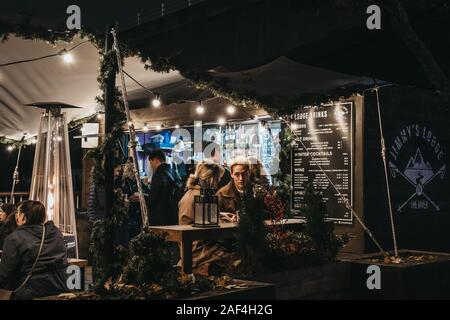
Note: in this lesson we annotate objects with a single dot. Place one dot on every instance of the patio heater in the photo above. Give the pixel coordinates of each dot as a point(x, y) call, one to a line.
point(51, 181)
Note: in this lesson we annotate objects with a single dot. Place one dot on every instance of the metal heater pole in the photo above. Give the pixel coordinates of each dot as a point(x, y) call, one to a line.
point(15, 175)
point(47, 158)
point(132, 143)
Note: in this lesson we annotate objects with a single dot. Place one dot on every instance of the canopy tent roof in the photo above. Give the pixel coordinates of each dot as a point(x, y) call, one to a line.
point(283, 84)
point(286, 78)
point(76, 84)
point(53, 80)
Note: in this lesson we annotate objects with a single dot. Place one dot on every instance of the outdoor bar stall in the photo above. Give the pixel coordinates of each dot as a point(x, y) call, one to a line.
point(337, 148)
point(183, 134)
point(338, 139)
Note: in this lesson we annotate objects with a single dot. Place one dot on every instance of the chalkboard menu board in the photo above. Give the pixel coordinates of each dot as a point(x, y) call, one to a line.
point(327, 133)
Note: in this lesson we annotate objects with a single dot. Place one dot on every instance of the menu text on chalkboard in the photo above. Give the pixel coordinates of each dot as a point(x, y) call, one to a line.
point(327, 133)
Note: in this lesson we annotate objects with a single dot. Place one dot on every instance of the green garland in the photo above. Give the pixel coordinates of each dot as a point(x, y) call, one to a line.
point(105, 233)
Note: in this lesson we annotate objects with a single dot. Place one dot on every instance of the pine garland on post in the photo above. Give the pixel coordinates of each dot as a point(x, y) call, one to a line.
point(106, 233)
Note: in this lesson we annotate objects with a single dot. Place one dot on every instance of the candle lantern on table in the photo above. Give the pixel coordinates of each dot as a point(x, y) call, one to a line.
point(206, 209)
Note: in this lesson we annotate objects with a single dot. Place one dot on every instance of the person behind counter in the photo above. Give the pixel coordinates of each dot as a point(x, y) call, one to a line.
point(213, 153)
point(21, 252)
point(258, 174)
point(231, 194)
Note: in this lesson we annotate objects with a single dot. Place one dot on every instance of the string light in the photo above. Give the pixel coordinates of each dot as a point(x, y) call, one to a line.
point(67, 57)
point(34, 141)
point(200, 109)
point(177, 126)
point(145, 129)
point(10, 148)
point(156, 102)
point(99, 116)
point(221, 121)
point(231, 109)
point(64, 53)
point(158, 127)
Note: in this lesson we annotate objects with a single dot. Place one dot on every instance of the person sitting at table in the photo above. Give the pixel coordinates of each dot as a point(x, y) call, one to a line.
point(21, 254)
point(7, 221)
point(206, 255)
point(230, 196)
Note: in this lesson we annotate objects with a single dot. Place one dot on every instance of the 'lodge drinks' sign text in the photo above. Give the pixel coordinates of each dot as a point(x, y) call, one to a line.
point(327, 133)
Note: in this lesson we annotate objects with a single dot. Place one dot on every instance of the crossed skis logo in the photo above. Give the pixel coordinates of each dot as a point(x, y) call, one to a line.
point(417, 170)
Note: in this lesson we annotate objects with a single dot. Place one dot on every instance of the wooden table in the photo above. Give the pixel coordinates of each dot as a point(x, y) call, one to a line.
point(186, 234)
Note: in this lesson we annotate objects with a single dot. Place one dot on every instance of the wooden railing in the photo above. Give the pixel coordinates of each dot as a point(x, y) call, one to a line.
point(22, 196)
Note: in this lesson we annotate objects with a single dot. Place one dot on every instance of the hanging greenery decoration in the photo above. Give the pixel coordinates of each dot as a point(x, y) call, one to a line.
point(106, 233)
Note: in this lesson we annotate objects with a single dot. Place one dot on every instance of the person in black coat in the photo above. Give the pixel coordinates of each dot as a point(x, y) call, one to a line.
point(162, 205)
point(21, 249)
point(7, 221)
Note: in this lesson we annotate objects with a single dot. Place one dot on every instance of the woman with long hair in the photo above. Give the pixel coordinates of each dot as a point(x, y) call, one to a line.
point(34, 259)
point(205, 254)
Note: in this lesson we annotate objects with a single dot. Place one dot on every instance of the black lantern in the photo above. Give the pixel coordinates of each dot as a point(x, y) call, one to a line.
point(206, 209)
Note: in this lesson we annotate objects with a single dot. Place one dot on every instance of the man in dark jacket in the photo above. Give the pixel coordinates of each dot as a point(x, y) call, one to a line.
point(162, 202)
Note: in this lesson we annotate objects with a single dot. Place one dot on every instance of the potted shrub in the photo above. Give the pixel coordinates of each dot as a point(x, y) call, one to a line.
point(301, 264)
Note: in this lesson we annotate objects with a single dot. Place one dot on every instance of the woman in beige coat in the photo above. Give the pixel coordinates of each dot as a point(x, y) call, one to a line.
point(204, 253)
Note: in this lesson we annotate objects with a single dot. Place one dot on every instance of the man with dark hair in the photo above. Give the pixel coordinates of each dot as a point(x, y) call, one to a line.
point(213, 153)
point(162, 202)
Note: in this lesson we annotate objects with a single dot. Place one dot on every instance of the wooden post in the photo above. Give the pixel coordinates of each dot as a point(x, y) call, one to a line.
point(109, 99)
point(110, 87)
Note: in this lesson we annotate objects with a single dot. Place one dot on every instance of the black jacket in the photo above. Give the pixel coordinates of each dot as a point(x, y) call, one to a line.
point(19, 253)
point(162, 207)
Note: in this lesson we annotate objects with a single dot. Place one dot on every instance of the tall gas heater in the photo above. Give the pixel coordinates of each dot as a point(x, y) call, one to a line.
point(51, 181)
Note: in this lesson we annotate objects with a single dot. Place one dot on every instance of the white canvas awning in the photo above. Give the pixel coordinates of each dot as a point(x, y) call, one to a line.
point(52, 79)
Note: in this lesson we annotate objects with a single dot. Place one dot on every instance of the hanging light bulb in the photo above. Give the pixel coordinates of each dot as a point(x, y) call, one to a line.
point(158, 127)
point(99, 116)
point(200, 108)
point(34, 141)
point(145, 129)
point(177, 126)
point(67, 57)
point(156, 101)
point(221, 121)
point(231, 109)
point(10, 148)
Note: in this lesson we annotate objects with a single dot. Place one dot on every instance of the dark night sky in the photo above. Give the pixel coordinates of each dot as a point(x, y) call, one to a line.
point(94, 14)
